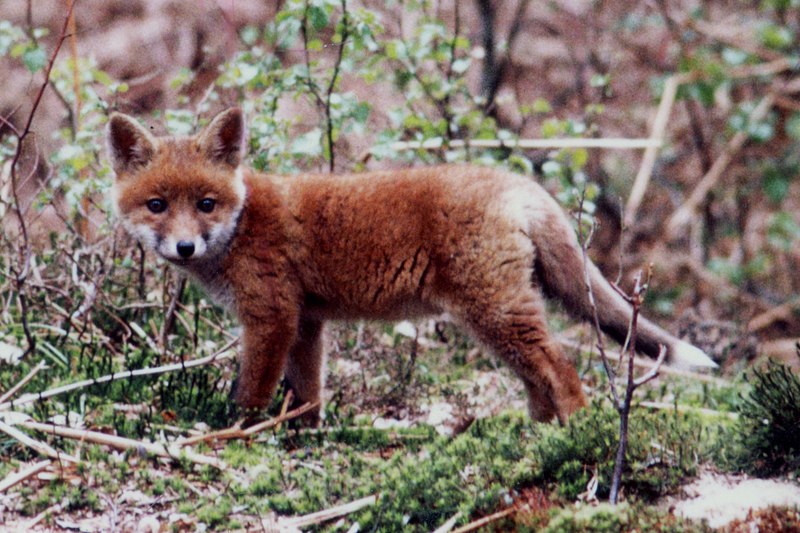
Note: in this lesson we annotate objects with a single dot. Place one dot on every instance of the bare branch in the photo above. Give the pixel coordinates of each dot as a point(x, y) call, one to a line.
point(236, 432)
point(23, 474)
point(40, 447)
point(654, 370)
point(13, 390)
point(169, 451)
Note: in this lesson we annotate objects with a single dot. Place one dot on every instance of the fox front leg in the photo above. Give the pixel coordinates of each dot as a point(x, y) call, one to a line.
point(266, 347)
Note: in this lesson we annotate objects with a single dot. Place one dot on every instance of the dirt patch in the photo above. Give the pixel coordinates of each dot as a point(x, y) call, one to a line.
point(722, 499)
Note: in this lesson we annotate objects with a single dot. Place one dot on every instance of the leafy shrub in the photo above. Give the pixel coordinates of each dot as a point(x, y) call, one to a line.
point(769, 438)
point(662, 450)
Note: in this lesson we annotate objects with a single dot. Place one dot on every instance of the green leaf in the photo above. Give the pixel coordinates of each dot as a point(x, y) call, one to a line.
point(551, 169)
point(34, 59)
point(734, 57)
point(579, 157)
point(318, 17)
point(776, 37)
point(783, 231)
point(361, 112)
point(309, 144)
point(776, 184)
point(552, 128)
point(314, 45)
point(540, 105)
point(461, 65)
point(599, 80)
point(249, 35)
point(793, 126)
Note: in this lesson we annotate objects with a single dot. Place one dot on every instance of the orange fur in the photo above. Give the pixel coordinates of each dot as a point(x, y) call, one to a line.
point(287, 254)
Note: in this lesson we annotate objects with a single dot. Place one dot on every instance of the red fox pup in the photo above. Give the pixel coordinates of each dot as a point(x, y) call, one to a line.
point(286, 254)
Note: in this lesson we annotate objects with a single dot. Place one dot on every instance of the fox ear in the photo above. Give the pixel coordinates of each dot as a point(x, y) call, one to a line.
point(223, 141)
point(130, 146)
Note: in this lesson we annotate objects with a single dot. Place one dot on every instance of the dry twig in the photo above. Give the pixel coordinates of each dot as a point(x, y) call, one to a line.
point(40, 447)
point(642, 179)
point(13, 390)
point(236, 432)
point(687, 409)
point(448, 526)
point(170, 451)
point(283, 524)
point(472, 526)
point(657, 132)
point(648, 364)
point(23, 474)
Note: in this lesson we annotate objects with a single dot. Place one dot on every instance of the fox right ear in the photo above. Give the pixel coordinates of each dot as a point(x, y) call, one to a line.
point(130, 146)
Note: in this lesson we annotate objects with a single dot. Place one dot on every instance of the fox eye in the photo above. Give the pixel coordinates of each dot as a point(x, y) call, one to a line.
point(157, 205)
point(206, 205)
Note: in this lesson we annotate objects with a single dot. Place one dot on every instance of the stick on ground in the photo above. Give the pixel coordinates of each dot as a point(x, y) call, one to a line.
point(23, 474)
point(40, 447)
point(236, 432)
point(170, 451)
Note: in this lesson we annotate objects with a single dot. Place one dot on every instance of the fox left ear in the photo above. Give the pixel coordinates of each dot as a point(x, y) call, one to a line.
point(223, 141)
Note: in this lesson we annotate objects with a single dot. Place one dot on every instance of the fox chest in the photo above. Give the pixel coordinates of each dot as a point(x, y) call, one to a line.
point(216, 286)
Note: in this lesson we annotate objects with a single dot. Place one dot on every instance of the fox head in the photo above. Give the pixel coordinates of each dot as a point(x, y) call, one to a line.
point(179, 196)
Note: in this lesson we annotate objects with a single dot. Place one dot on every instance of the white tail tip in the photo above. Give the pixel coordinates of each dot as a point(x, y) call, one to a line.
point(686, 355)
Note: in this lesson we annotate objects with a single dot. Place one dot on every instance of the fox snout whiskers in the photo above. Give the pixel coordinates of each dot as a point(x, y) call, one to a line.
point(182, 249)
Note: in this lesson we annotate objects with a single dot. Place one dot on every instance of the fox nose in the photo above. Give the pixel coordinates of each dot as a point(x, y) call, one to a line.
point(185, 249)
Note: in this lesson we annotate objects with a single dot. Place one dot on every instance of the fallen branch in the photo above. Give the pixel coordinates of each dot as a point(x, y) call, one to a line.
point(610, 143)
point(24, 381)
point(236, 432)
point(785, 311)
point(284, 524)
point(686, 211)
point(285, 406)
point(448, 526)
point(23, 474)
point(170, 451)
point(40, 447)
point(37, 396)
point(472, 526)
point(52, 510)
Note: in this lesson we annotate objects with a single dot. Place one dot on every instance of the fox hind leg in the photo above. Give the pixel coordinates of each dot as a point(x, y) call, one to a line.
point(516, 331)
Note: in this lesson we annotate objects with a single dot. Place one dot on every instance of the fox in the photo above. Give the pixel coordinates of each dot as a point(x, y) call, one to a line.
point(286, 254)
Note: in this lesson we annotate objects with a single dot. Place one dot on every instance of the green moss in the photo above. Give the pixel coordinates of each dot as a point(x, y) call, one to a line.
point(624, 517)
point(663, 448)
point(215, 514)
point(158, 487)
